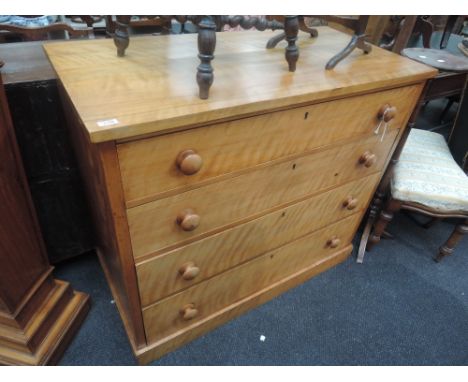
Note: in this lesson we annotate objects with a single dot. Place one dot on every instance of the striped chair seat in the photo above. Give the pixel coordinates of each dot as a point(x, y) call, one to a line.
point(426, 173)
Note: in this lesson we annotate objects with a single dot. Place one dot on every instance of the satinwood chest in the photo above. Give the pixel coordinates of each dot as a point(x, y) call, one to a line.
point(208, 208)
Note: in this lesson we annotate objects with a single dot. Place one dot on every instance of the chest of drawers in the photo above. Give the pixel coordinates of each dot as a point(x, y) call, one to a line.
point(207, 208)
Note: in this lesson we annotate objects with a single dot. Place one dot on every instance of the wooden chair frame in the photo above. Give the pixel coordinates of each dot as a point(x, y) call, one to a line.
point(380, 213)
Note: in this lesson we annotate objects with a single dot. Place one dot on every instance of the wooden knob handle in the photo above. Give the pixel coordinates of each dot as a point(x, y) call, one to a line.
point(350, 203)
point(367, 159)
point(189, 162)
point(188, 312)
point(189, 271)
point(333, 242)
point(188, 220)
point(387, 112)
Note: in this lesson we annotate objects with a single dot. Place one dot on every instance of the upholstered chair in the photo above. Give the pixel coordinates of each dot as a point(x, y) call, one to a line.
point(426, 179)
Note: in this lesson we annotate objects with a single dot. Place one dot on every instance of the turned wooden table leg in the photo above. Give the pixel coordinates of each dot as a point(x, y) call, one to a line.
point(384, 218)
point(447, 249)
point(272, 42)
point(275, 40)
point(121, 39)
point(206, 48)
point(291, 28)
point(374, 209)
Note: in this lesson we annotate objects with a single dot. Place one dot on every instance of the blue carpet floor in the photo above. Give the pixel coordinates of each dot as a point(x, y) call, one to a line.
point(398, 308)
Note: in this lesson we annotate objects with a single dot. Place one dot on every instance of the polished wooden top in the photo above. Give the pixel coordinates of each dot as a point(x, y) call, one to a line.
point(25, 62)
point(437, 58)
point(153, 88)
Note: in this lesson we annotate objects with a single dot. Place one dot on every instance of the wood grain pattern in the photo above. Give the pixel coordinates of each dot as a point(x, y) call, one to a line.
point(153, 225)
point(159, 277)
point(99, 169)
point(158, 92)
point(149, 166)
point(207, 208)
point(35, 319)
point(25, 62)
point(53, 344)
point(22, 251)
point(164, 317)
point(158, 348)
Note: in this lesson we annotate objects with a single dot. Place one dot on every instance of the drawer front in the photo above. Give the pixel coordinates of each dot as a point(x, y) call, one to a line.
point(149, 166)
point(166, 223)
point(183, 267)
point(202, 300)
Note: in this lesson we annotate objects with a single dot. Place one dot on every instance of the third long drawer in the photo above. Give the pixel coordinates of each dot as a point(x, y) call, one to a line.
point(199, 302)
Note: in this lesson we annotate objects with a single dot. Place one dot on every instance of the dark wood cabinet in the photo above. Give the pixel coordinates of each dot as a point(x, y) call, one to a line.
point(48, 158)
point(38, 314)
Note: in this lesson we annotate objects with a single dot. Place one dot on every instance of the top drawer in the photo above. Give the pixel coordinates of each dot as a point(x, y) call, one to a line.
point(155, 167)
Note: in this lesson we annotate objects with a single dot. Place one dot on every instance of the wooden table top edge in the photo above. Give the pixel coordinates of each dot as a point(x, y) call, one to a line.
point(216, 114)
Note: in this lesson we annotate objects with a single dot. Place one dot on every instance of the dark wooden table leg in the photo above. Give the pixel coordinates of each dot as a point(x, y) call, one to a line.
point(121, 39)
point(357, 41)
point(304, 28)
point(206, 48)
point(447, 31)
point(291, 28)
point(374, 210)
point(386, 216)
point(275, 40)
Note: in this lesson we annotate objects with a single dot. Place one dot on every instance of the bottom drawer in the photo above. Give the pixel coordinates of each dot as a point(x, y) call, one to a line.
point(202, 300)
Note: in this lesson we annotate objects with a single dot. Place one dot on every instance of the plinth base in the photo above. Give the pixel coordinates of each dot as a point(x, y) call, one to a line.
point(44, 338)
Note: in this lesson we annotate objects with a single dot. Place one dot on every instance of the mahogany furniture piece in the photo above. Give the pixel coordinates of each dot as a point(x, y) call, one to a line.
point(402, 28)
point(208, 208)
point(272, 42)
point(358, 40)
point(47, 155)
point(207, 27)
point(38, 314)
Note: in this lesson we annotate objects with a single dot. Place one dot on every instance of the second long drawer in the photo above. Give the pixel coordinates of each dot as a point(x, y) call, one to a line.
point(183, 267)
point(180, 219)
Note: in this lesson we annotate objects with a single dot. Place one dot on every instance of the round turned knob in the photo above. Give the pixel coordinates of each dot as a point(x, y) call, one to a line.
point(189, 162)
point(367, 159)
point(188, 312)
point(189, 271)
point(350, 203)
point(333, 242)
point(188, 220)
point(387, 112)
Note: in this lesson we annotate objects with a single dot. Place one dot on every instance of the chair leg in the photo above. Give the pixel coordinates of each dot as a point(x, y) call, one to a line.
point(385, 217)
point(447, 249)
point(447, 107)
